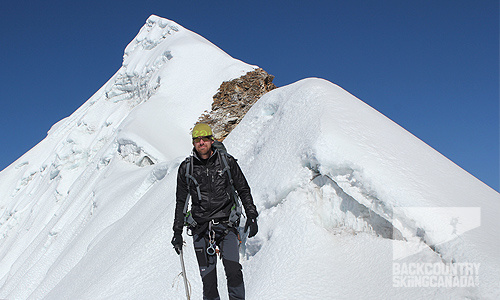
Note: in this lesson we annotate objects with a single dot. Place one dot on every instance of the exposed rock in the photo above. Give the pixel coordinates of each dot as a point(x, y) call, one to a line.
point(234, 99)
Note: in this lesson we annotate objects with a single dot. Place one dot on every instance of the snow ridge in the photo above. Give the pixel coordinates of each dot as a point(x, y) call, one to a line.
point(336, 154)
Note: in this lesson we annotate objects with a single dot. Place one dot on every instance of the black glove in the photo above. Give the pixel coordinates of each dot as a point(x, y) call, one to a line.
point(177, 242)
point(252, 224)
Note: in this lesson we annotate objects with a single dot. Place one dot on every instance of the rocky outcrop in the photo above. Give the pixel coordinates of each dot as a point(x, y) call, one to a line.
point(234, 99)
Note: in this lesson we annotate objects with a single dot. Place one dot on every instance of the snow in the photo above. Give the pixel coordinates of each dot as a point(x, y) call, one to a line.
point(345, 195)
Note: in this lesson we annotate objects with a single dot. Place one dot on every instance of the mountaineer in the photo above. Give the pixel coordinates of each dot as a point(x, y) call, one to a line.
point(214, 181)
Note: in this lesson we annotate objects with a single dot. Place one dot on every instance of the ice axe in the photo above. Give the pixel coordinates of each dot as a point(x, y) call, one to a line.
point(184, 274)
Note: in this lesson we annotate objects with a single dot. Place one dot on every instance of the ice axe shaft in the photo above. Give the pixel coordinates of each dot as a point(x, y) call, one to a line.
point(184, 274)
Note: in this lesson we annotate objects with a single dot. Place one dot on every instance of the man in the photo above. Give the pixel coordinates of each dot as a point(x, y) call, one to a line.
point(213, 200)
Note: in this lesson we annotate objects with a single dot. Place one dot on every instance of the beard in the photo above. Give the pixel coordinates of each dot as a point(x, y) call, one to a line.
point(204, 150)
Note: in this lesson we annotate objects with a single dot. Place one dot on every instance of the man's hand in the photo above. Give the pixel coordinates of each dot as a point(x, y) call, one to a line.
point(252, 224)
point(177, 242)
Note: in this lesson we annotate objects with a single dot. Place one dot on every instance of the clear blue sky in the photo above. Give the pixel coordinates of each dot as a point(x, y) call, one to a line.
point(430, 66)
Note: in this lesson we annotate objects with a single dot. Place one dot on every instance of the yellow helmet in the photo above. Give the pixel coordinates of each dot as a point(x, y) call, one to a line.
point(201, 129)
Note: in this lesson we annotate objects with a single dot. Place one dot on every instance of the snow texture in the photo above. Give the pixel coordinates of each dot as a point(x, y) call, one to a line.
point(346, 196)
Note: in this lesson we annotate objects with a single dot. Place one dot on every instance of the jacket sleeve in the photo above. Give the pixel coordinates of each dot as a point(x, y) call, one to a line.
point(180, 198)
point(243, 189)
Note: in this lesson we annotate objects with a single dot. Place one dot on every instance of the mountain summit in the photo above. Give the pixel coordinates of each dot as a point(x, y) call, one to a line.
point(352, 206)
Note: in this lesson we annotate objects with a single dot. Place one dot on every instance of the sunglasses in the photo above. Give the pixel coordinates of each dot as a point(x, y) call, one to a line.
point(204, 138)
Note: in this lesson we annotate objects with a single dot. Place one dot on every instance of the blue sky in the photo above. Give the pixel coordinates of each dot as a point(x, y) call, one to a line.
point(430, 66)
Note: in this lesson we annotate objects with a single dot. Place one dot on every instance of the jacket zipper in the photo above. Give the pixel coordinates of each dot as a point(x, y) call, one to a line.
point(209, 188)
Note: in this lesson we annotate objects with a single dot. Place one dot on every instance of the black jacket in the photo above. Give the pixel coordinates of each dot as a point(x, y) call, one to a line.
point(215, 189)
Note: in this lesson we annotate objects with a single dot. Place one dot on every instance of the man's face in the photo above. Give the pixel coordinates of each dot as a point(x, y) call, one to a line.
point(203, 145)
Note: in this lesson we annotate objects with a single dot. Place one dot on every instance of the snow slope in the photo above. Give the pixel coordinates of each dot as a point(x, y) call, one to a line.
point(344, 194)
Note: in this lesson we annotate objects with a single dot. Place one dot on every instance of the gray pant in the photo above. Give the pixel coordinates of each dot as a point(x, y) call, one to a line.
point(228, 243)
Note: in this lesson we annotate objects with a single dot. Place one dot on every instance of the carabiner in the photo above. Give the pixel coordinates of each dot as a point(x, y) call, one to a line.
point(211, 242)
point(211, 250)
